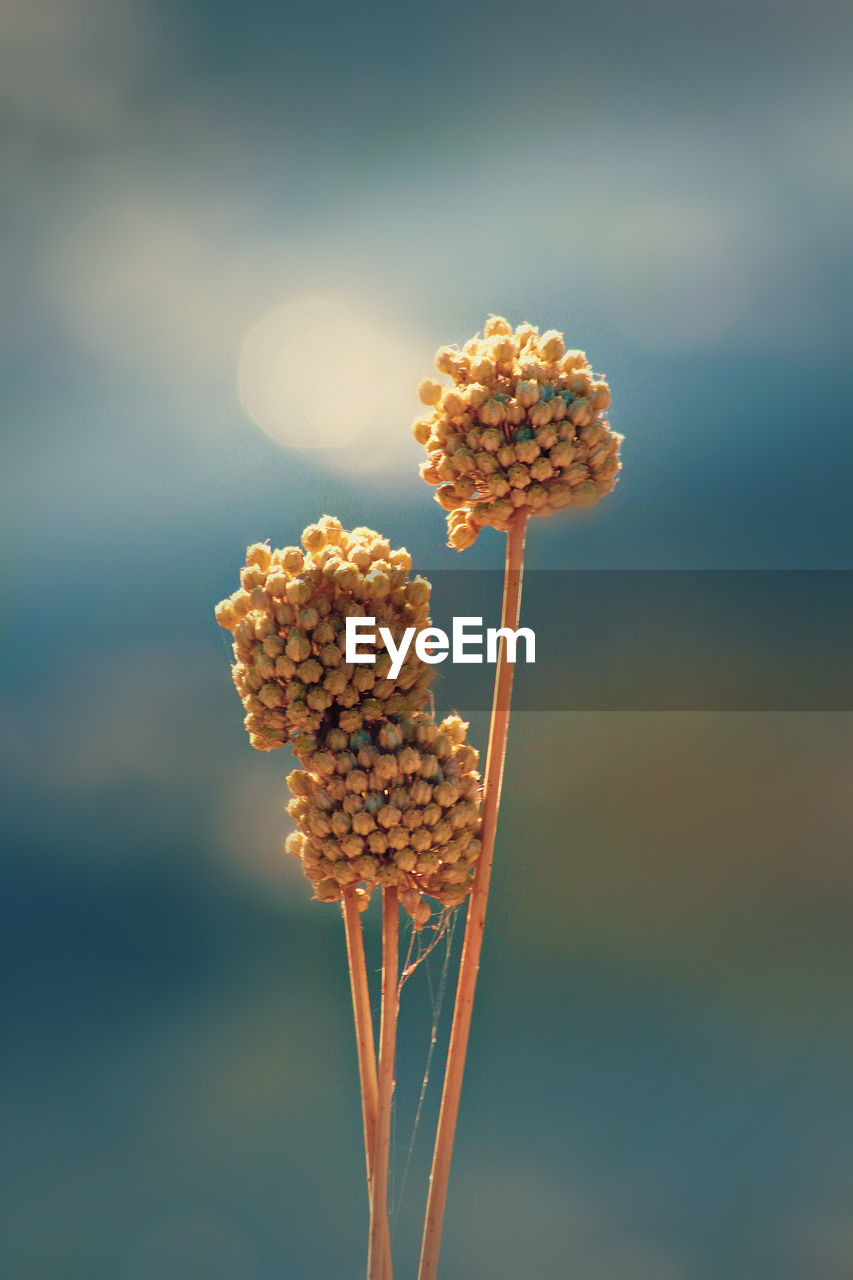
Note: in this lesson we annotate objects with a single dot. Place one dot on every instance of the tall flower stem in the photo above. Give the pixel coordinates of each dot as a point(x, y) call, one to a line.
point(363, 1025)
point(364, 1040)
point(378, 1261)
point(470, 962)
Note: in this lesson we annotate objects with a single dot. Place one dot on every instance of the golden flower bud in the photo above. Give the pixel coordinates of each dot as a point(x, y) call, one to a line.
point(446, 360)
point(540, 415)
point(313, 538)
point(462, 536)
point(492, 413)
point(259, 554)
point(503, 351)
point(453, 404)
point(527, 451)
point(429, 391)
point(476, 395)
point(447, 496)
point(599, 395)
point(527, 393)
point(581, 413)
point(226, 615)
point(497, 325)
point(580, 382)
point(292, 560)
point(551, 346)
point(515, 413)
point(541, 469)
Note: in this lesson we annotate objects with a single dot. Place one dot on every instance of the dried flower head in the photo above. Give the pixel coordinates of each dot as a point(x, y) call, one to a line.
point(391, 804)
point(522, 426)
point(288, 619)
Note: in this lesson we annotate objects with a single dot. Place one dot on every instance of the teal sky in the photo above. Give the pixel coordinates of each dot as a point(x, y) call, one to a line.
point(209, 208)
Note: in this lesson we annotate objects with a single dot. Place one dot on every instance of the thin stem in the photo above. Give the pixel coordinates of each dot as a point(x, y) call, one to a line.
point(476, 921)
point(363, 1024)
point(365, 1043)
point(378, 1262)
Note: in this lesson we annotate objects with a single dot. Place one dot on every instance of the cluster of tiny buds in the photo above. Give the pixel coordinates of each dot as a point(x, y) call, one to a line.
point(396, 804)
point(288, 619)
point(522, 426)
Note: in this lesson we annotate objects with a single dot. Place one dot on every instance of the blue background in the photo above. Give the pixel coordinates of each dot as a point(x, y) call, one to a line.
point(659, 1080)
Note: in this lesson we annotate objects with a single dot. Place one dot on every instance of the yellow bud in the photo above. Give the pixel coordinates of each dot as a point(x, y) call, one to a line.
point(226, 615)
point(527, 393)
point(446, 360)
point(482, 368)
point(527, 451)
point(562, 454)
point(453, 404)
point(447, 496)
point(259, 554)
point(581, 413)
point(313, 538)
point(421, 429)
point(496, 325)
point(476, 394)
point(429, 391)
point(347, 577)
point(541, 469)
point(541, 414)
point(332, 528)
point(418, 591)
point(551, 345)
point(503, 351)
point(292, 559)
point(492, 413)
point(600, 396)
point(462, 536)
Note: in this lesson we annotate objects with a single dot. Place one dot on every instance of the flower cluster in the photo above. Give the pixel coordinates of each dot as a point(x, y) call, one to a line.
point(396, 804)
point(386, 796)
point(522, 426)
point(288, 619)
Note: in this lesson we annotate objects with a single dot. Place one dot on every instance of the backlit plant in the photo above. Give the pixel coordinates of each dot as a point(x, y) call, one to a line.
point(388, 798)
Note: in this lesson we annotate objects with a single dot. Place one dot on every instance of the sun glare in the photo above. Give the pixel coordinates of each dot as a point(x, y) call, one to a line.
point(317, 374)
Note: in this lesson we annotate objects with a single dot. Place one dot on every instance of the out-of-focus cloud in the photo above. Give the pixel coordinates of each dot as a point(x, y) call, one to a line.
point(72, 66)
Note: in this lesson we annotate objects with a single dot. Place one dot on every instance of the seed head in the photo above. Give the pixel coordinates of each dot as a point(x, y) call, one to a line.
point(522, 428)
point(288, 619)
point(408, 816)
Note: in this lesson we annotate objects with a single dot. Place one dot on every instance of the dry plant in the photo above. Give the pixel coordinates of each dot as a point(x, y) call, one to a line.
point(387, 797)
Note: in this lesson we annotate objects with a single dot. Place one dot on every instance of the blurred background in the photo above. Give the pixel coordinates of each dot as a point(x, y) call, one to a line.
point(233, 235)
